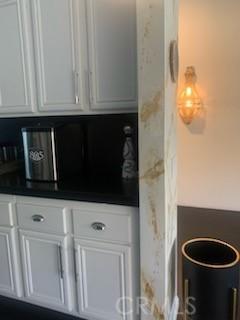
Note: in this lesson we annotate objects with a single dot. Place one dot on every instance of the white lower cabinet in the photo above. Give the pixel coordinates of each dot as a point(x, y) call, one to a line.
point(9, 272)
point(45, 269)
point(103, 280)
point(78, 258)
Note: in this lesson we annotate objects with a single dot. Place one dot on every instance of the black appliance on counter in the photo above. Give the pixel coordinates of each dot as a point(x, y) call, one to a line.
point(53, 153)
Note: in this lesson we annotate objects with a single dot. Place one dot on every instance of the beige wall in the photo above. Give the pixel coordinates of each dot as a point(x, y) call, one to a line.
point(209, 149)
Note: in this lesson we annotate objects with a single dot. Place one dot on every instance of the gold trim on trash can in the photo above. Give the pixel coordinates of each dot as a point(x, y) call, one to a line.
point(186, 297)
point(206, 264)
point(235, 303)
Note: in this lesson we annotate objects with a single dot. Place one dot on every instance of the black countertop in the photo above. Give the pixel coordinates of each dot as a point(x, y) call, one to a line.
point(101, 189)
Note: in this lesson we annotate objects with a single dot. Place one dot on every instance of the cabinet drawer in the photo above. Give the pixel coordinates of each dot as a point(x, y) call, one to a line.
point(6, 214)
point(41, 218)
point(102, 225)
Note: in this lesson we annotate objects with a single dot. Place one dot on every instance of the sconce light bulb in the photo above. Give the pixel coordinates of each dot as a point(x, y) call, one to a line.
point(189, 101)
point(188, 91)
point(189, 104)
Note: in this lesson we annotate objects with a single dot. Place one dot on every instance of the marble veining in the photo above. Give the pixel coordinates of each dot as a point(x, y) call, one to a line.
point(157, 27)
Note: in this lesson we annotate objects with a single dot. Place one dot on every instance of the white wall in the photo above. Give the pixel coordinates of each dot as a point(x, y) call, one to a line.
point(209, 149)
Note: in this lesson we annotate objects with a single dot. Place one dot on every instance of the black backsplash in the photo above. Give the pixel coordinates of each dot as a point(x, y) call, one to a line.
point(103, 135)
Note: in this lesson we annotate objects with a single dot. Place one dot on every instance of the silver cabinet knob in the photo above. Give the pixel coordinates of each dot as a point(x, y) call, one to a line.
point(38, 218)
point(98, 226)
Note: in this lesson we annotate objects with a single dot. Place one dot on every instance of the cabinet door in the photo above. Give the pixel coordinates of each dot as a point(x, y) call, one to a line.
point(9, 263)
point(59, 49)
point(103, 277)
point(113, 57)
point(16, 92)
point(45, 269)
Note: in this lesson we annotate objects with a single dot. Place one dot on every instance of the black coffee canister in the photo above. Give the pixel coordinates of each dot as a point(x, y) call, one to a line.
point(210, 280)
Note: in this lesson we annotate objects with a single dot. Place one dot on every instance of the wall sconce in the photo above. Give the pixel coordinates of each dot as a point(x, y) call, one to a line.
point(189, 101)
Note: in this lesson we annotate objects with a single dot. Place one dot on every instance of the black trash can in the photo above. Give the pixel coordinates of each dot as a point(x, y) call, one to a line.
point(210, 280)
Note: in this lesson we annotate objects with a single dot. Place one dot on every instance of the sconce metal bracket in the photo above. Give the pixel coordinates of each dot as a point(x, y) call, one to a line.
point(174, 60)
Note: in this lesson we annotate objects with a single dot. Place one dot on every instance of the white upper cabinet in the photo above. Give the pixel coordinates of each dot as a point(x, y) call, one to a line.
point(67, 56)
point(60, 61)
point(112, 54)
point(16, 81)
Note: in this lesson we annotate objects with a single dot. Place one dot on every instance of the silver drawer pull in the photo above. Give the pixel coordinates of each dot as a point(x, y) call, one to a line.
point(38, 218)
point(76, 80)
point(98, 226)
